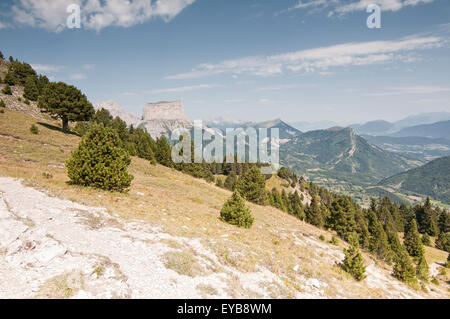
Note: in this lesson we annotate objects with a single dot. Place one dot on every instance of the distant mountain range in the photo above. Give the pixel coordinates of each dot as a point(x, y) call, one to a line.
point(431, 179)
point(434, 130)
point(421, 148)
point(341, 154)
point(383, 128)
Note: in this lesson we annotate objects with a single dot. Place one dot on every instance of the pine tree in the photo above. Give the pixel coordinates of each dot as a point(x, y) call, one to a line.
point(342, 217)
point(252, 186)
point(315, 214)
point(353, 262)
point(412, 242)
point(65, 102)
point(9, 79)
point(42, 82)
point(31, 91)
point(404, 268)
point(444, 222)
point(422, 269)
point(394, 243)
point(1, 55)
point(230, 181)
point(235, 212)
point(443, 242)
point(447, 264)
point(426, 240)
point(7, 90)
point(163, 152)
point(99, 161)
point(378, 242)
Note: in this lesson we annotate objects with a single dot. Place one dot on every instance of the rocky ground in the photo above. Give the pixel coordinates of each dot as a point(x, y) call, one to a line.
point(54, 248)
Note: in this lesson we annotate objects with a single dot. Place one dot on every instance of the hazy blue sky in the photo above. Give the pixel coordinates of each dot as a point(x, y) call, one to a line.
point(243, 59)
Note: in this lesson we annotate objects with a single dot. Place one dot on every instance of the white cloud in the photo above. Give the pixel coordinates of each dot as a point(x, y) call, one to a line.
point(407, 90)
point(386, 5)
point(234, 101)
point(88, 66)
point(277, 87)
point(322, 58)
point(46, 67)
point(78, 76)
point(184, 88)
point(95, 14)
point(357, 5)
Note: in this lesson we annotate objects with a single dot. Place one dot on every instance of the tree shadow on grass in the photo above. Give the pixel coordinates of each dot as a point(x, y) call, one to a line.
point(56, 128)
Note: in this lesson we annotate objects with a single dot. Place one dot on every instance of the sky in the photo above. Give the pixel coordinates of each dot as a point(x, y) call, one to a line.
point(309, 60)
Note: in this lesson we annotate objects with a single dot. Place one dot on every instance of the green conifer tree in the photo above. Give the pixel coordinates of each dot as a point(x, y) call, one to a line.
point(163, 152)
point(413, 242)
point(252, 186)
point(235, 212)
point(230, 181)
point(353, 262)
point(315, 214)
point(342, 217)
point(404, 268)
point(31, 91)
point(422, 269)
point(7, 90)
point(99, 161)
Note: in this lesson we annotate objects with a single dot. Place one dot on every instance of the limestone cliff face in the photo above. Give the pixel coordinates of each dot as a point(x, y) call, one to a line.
point(161, 118)
point(164, 111)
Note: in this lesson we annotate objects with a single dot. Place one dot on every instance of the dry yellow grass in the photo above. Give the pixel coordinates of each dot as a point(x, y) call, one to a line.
point(179, 205)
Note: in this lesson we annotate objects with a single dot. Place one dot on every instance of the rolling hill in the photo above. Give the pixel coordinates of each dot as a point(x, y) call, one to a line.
point(431, 179)
point(340, 153)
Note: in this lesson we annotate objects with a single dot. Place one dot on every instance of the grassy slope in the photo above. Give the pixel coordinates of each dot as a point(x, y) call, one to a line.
point(188, 207)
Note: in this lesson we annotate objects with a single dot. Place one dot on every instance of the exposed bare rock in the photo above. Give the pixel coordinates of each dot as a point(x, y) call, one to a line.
point(161, 118)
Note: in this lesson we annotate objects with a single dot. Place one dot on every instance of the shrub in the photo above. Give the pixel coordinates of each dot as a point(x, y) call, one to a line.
point(447, 264)
point(99, 161)
point(435, 281)
point(235, 212)
point(322, 237)
point(7, 90)
point(47, 175)
point(27, 102)
point(2, 111)
point(34, 129)
point(2, 103)
point(334, 241)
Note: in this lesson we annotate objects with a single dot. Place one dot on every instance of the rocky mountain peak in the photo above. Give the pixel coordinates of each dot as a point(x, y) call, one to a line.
point(164, 111)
